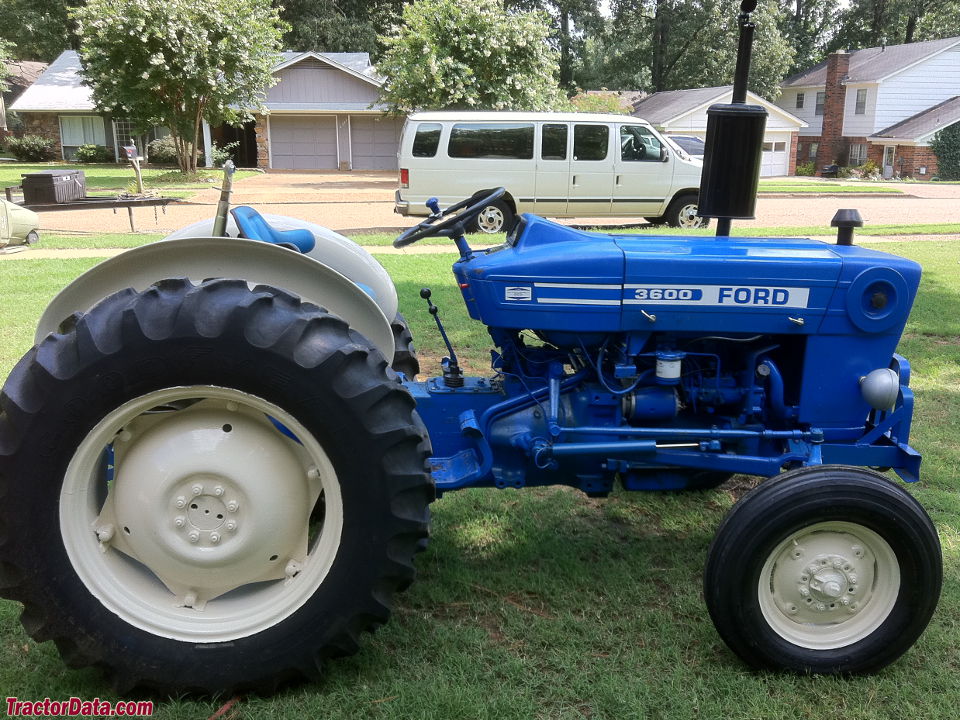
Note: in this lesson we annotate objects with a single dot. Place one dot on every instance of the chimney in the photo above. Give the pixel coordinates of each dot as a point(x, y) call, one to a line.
point(832, 144)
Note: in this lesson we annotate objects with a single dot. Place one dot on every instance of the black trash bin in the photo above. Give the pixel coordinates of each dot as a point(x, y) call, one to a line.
point(53, 187)
point(830, 171)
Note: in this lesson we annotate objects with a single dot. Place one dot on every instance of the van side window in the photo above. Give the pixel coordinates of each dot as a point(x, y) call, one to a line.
point(491, 140)
point(553, 145)
point(637, 143)
point(590, 142)
point(427, 140)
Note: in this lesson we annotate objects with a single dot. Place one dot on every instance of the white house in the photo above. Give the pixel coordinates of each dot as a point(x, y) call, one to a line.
point(684, 112)
point(880, 103)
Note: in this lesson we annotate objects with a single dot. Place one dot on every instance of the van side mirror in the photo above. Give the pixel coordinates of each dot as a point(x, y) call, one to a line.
point(664, 154)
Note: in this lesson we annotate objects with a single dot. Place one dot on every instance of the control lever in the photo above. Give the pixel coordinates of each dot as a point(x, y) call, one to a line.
point(452, 375)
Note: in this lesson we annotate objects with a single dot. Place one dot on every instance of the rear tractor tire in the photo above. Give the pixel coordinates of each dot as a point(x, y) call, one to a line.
point(208, 488)
point(825, 570)
point(405, 355)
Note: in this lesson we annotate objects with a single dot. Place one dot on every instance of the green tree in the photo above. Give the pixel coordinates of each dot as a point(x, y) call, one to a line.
point(809, 25)
point(572, 20)
point(338, 25)
point(39, 29)
point(672, 36)
point(178, 62)
point(869, 23)
point(475, 56)
point(946, 145)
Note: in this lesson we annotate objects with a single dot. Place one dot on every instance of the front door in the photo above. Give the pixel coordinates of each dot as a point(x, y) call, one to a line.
point(889, 151)
point(591, 170)
point(643, 172)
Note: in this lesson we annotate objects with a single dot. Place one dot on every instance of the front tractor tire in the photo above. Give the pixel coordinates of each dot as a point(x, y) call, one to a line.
point(208, 488)
point(825, 570)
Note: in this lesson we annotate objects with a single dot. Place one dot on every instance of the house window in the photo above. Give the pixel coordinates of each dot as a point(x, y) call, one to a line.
point(821, 99)
point(857, 154)
point(503, 141)
point(799, 100)
point(553, 144)
point(77, 130)
point(861, 102)
point(427, 139)
point(590, 142)
point(812, 153)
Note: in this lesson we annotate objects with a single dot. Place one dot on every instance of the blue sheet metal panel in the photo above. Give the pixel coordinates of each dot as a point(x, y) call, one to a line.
point(554, 278)
point(440, 408)
point(856, 337)
point(740, 285)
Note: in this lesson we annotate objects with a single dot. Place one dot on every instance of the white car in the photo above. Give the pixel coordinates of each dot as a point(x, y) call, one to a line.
point(18, 226)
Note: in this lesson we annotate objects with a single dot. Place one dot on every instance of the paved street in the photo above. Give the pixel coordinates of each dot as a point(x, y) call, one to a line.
point(363, 202)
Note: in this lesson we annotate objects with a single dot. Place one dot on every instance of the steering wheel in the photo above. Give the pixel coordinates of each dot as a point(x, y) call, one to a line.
point(451, 221)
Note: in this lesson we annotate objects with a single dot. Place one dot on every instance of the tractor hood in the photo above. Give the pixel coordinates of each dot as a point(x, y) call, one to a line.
point(552, 277)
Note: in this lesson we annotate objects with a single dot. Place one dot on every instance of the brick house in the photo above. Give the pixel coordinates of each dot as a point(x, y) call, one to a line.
point(883, 104)
point(322, 114)
point(684, 112)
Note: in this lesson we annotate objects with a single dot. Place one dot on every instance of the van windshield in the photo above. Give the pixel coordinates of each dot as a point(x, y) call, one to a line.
point(491, 140)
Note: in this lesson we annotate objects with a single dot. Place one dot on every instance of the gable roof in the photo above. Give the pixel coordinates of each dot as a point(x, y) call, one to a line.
point(59, 87)
point(356, 64)
point(924, 123)
point(875, 64)
point(664, 107)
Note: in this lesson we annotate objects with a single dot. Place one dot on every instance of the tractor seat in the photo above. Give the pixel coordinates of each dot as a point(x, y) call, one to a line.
point(254, 226)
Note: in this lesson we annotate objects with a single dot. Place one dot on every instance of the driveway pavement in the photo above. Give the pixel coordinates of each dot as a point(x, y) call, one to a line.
point(356, 202)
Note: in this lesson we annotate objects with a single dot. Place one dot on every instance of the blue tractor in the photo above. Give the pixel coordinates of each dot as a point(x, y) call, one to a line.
point(216, 463)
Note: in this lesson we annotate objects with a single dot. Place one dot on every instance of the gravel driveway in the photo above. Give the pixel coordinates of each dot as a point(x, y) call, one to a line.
point(363, 201)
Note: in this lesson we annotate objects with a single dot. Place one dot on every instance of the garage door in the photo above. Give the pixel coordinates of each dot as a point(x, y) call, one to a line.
point(775, 160)
point(375, 141)
point(303, 143)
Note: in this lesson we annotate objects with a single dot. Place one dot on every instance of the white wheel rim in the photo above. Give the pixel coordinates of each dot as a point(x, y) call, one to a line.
point(829, 585)
point(204, 533)
point(688, 217)
point(490, 219)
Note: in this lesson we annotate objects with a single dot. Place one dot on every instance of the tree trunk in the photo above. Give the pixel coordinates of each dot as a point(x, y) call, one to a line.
point(566, 69)
point(911, 27)
point(660, 39)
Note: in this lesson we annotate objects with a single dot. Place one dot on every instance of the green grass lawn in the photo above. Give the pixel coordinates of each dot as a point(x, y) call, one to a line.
point(118, 177)
point(831, 188)
point(542, 603)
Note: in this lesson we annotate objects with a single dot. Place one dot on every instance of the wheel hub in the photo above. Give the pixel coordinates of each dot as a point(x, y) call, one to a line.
point(829, 585)
point(209, 498)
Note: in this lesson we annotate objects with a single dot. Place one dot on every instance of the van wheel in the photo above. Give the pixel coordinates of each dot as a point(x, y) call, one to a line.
point(682, 213)
point(496, 217)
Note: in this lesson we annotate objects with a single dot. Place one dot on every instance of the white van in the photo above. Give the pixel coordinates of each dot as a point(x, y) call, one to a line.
point(553, 164)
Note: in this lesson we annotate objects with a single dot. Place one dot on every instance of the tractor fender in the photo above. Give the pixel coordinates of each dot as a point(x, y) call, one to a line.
point(224, 257)
point(332, 249)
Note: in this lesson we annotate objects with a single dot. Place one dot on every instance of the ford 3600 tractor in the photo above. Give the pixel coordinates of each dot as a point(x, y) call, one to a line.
point(213, 479)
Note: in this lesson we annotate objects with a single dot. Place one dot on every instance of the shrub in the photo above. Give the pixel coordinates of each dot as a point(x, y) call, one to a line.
point(946, 146)
point(93, 154)
point(220, 155)
point(31, 148)
point(807, 168)
point(869, 169)
point(162, 151)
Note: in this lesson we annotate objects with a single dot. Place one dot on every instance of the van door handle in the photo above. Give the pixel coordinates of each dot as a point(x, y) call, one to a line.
point(574, 180)
point(618, 180)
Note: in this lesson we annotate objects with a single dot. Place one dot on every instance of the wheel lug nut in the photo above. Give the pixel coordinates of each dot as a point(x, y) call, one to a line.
point(214, 538)
point(231, 525)
point(804, 591)
point(233, 506)
point(194, 536)
point(181, 501)
point(197, 489)
point(180, 521)
point(852, 577)
point(218, 490)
